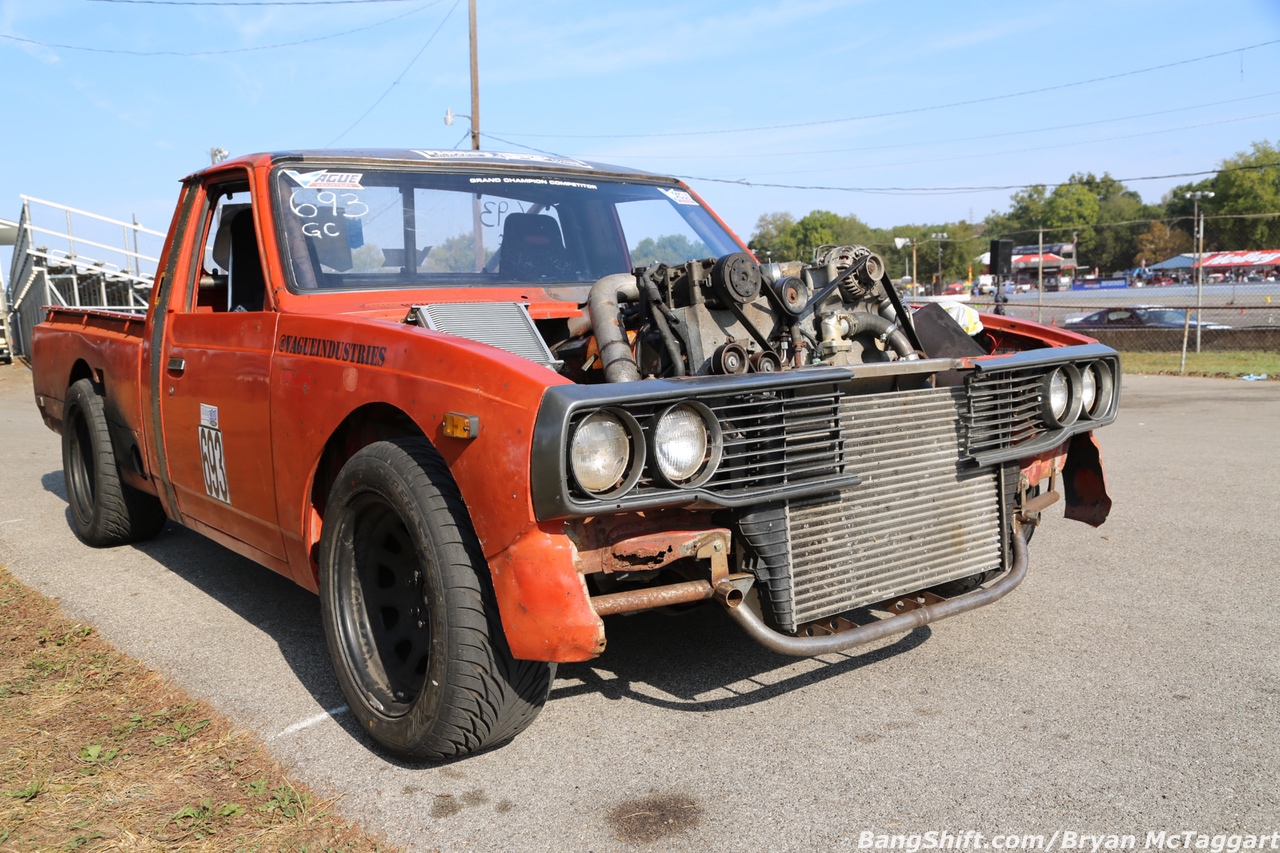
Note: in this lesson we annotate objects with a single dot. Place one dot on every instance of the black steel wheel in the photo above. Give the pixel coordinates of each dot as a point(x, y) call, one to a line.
point(409, 612)
point(104, 509)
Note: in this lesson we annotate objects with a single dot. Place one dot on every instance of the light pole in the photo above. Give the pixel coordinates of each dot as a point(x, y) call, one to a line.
point(1199, 220)
point(1040, 278)
point(902, 242)
point(938, 237)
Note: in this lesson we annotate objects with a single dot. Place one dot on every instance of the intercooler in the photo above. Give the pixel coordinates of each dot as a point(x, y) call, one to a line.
point(923, 513)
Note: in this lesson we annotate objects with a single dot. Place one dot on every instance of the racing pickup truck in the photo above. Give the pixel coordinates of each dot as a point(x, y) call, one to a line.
point(478, 401)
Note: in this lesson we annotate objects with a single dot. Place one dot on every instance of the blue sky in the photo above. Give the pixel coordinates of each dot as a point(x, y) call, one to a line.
point(641, 84)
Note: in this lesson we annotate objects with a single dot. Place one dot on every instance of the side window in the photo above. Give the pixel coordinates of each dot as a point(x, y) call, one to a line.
point(230, 277)
point(655, 232)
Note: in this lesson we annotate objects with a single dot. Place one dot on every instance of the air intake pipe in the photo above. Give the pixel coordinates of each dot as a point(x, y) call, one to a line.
point(606, 324)
point(863, 321)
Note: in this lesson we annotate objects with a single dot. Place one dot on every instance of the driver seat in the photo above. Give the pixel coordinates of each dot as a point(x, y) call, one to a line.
point(532, 249)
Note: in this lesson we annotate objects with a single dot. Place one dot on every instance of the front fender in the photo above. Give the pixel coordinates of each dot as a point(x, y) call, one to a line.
point(327, 368)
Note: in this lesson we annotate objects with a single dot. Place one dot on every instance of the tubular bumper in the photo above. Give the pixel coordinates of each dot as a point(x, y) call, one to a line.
point(784, 644)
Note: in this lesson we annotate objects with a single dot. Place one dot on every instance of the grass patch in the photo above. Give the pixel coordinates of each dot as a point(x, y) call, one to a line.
point(1223, 364)
point(98, 752)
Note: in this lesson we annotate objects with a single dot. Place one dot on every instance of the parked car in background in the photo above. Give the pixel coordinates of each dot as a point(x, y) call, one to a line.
point(1140, 317)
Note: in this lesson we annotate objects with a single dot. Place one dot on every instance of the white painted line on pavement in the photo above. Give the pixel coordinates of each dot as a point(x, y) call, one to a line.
point(310, 721)
point(13, 521)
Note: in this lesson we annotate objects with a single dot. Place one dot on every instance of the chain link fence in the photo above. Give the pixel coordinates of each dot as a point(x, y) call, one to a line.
point(1222, 307)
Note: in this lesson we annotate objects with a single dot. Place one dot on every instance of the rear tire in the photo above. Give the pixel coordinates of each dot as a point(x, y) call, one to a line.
point(409, 612)
point(105, 510)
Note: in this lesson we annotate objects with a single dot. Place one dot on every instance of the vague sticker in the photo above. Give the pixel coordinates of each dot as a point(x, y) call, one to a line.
point(208, 416)
point(678, 196)
point(502, 155)
point(326, 180)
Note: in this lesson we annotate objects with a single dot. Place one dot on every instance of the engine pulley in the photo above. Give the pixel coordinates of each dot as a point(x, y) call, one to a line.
point(766, 362)
point(792, 293)
point(736, 279)
point(730, 358)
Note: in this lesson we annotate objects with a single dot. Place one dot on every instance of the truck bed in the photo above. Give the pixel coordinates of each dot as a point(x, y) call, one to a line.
point(103, 346)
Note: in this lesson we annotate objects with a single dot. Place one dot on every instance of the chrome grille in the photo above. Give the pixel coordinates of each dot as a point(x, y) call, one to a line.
point(1004, 409)
point(921, 516)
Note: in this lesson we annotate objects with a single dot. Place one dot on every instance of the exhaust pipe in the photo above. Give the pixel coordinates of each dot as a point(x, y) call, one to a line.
point(785, 644)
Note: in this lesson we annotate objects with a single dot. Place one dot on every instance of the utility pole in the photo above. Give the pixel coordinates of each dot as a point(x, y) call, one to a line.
point(938, 237)
point(1040, 280)
point(475, 79)
point(1199, 217)
point(476, 224)
point(1198, 243)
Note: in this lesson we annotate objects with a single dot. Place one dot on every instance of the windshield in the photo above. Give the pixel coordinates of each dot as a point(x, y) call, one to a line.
point(363, 230)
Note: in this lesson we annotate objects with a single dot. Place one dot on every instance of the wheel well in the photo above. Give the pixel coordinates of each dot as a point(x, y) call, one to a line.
point(364, 426)
point(81, 370)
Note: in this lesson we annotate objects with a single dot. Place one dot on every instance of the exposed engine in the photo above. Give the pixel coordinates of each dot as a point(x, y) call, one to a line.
point(731, 315)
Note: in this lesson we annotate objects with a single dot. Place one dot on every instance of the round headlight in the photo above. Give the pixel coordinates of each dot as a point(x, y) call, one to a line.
point(686, 444)
point(1089, 388)
point(600, 452)
point(1100, 371)
point(1059, 393)
point(1061, 396)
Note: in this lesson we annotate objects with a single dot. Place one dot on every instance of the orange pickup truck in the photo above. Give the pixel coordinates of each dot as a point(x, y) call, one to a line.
point(478, 401)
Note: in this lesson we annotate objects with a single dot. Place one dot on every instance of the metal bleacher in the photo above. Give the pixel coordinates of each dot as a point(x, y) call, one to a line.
point(69, 257)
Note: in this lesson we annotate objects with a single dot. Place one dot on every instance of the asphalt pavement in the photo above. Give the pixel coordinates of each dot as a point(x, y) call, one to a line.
point(1131, 684)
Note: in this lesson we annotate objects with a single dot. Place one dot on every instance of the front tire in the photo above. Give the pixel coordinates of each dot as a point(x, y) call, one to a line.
point(105, 510)
point(409, 612)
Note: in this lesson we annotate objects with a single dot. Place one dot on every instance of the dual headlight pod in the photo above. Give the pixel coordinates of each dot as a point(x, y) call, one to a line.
point(1069, 393)
point(608, 450)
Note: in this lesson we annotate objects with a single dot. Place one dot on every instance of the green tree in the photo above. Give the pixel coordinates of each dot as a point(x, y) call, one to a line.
point(669, 249)
point(1159, 243)
point(775, 237)
point(1248, 183)
point(456, 254)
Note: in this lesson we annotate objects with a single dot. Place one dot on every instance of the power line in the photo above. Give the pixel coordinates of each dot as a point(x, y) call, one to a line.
point(120, 51)
point(1073, 144)
point(937, 142)
point(961, 190)
point(396, 81)
point(912, 111)
point(195, 3)
point(911, 190)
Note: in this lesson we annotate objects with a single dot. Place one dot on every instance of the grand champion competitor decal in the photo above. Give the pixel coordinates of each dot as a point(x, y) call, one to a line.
point(212, 462)
point(331, 349)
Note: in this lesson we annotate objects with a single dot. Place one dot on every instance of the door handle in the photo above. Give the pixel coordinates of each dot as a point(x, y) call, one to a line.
point(177, 365)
